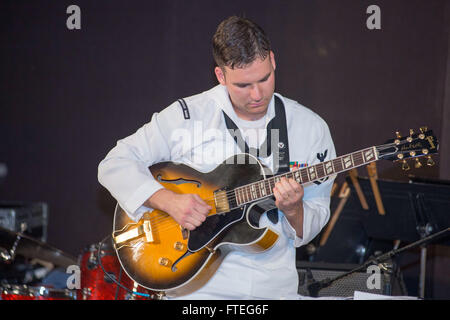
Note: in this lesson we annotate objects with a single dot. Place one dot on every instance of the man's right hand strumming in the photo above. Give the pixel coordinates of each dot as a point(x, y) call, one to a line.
point(189, 210)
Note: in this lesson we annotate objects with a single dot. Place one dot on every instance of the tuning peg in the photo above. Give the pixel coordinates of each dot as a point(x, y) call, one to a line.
point(397, 141)
point(405, 166)
point(411, 132)
point(430, 161)
point(422, 130)
point(417, 165)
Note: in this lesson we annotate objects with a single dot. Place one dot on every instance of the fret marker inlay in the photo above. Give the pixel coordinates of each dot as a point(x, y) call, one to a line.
point(347, 162)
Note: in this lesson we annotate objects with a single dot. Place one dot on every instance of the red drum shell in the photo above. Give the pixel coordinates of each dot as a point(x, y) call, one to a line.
point(96, 285)
point(24, 292)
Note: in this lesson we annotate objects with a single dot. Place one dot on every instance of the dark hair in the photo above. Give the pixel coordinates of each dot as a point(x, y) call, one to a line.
point(238, 42)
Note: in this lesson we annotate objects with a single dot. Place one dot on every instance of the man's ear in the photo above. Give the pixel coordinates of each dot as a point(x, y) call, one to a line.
point(272, 60)
point(220, 75)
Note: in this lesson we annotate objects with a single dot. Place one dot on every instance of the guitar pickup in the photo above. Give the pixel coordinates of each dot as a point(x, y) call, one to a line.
point(144, 230)
point(221, 201)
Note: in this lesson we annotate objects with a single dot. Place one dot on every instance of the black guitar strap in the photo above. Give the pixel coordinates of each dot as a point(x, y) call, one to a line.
point(281, 151)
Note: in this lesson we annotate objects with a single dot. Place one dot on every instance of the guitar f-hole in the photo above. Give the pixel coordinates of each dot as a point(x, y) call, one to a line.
point(178, 181)
point(186, 254)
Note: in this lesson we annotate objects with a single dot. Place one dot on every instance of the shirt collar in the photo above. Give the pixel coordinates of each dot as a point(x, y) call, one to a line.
point(220, 94)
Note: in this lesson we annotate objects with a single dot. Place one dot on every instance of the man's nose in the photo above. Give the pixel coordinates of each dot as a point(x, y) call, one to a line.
point(256, 93)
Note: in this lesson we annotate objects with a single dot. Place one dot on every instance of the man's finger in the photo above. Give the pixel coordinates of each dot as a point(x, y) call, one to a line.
point(285, 189)
point(297, 187)
point(201, 201)
point(277, 195)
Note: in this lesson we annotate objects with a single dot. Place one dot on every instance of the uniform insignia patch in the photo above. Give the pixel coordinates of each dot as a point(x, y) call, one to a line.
point(321, 157)
point(297, 165)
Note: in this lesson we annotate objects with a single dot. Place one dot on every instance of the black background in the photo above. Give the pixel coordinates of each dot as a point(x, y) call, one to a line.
point(67, 96)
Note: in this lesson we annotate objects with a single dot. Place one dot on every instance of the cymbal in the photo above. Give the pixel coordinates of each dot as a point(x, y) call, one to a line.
point(16, 243)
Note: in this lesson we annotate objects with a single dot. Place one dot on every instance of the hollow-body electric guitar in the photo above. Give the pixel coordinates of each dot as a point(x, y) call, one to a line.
point(158, 254)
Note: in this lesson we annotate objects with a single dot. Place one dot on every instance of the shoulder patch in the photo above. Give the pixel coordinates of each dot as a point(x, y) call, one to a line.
point(185, 109)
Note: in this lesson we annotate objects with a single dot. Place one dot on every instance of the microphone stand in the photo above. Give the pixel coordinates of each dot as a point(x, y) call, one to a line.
point(315, 286)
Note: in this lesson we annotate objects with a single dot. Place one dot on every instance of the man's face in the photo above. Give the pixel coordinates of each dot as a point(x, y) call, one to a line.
point(251, 87)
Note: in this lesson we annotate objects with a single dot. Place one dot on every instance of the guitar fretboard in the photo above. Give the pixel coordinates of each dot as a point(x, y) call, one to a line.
point(264, 188)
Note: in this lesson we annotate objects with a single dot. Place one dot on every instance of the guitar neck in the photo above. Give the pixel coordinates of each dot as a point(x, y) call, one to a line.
point(264, 188)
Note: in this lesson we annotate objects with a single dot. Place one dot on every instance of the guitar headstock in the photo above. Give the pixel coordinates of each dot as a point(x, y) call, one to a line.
point(414, 146)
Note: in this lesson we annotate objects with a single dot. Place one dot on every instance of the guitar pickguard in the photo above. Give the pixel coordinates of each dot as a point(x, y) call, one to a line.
point(212, 227)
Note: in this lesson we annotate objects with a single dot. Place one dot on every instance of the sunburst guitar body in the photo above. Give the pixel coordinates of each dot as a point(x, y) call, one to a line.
point(157, 253)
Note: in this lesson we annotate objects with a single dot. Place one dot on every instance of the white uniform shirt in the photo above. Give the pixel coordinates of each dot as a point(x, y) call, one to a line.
point(200, 139)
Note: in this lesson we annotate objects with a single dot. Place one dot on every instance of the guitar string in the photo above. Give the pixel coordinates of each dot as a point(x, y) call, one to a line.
point(223, 198)
point(248, 186)
point(224, 195)
point(160, 221)
point(165, 223)
point(356, 153)
point(168, 217)
point(357, 157)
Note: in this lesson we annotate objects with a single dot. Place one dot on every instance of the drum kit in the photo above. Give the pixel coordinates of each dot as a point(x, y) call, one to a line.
point(101, 275)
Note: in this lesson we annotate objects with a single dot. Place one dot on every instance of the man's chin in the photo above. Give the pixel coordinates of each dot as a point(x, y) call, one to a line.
point(257, 112)
point(258, 109)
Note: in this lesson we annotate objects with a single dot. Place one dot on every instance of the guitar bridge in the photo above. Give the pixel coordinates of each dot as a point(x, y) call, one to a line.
point(144, 230)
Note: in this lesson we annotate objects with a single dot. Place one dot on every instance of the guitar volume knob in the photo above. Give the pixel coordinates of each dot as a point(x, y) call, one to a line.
point(163, 261)
point(178, 246)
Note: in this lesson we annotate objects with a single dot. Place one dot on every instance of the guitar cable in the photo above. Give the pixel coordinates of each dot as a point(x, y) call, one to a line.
point(118, 288)
point(100, 246)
